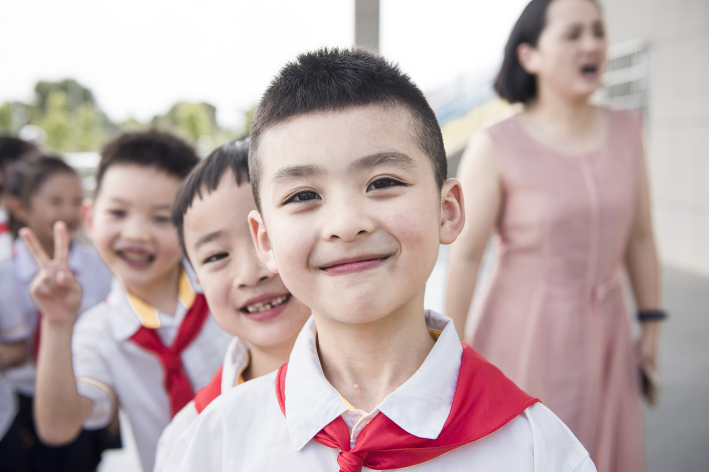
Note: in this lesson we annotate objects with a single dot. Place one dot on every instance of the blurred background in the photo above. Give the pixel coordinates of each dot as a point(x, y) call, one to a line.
point(75, 73)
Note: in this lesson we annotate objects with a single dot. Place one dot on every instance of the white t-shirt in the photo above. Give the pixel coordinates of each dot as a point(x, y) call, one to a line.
point(90, 272)
point(235, 362)
point(107, 363)
point(13, 328)
point(244, 429)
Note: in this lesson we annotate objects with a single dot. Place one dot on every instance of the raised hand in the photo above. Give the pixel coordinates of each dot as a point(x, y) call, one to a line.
point(54, 289)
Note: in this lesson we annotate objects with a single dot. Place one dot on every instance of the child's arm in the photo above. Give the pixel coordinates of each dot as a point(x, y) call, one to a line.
point(59, 410)
point(12, 354)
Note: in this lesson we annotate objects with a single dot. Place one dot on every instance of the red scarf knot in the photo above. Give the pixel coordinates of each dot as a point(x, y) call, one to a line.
point(349, 461)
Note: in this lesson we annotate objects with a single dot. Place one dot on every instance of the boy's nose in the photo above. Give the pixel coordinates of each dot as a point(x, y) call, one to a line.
point(346, 221)
point(250, 271)
point(135, 229)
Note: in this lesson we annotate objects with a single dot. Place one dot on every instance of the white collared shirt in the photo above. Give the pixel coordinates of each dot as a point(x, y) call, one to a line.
point(90, 272)
point(235, 362)
point(245, 429)
point(106, 361)
point(5, 236)
point(13, 328)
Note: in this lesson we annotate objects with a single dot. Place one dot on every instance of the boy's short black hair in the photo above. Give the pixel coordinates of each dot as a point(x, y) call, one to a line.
point(205, 177)
point(29, 176)
point(12, 150)
point(151, 148)
point(336, 79)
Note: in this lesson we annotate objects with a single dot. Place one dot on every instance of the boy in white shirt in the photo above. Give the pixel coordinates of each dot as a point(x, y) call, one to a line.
point(248, 301)
point(152, 343)
point(349, 175)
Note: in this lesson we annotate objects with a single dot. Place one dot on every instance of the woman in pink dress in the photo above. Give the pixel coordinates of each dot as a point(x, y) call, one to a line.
point(564, 185)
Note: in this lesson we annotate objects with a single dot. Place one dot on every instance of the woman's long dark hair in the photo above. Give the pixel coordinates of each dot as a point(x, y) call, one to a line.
point(513, 83)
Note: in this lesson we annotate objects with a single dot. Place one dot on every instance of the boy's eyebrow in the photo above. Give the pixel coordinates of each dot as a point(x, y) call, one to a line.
point(204, 239)
point(394, 158)
point(118, 200)
point(289, 173)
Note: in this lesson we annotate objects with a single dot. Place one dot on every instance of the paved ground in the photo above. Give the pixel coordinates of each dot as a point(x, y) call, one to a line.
point(678, 430)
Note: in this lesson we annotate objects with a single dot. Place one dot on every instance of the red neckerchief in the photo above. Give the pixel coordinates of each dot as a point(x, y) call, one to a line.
point(484, 401)
point(177, 384)
point(209, 393)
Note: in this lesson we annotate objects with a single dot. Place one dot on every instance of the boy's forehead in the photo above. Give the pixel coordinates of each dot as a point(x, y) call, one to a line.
point(336, 138)
point(227, 205)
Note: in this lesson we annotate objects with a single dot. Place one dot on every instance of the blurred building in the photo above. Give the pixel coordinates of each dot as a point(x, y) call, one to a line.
point(658, 63)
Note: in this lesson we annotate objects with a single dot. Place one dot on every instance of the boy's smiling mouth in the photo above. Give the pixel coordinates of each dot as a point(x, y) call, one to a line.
point(354, 264)
point(135, 257)
point(265, 307)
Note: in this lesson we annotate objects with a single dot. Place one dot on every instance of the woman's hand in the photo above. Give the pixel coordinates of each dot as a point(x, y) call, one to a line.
point(54, 289)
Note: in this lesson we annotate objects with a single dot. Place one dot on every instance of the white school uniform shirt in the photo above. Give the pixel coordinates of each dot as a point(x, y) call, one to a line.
point(13, 328)
point(5, 235)
point(245, 429)
point(89, 271)
point(109, 367)
point(235, 362)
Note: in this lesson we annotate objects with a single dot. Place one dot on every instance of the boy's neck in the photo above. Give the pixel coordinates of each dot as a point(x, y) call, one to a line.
point(367, 362)
point(160, 293)
point(264, 360)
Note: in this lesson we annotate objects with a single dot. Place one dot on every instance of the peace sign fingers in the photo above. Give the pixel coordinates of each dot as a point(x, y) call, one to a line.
point(61, 242)
point(36, 250)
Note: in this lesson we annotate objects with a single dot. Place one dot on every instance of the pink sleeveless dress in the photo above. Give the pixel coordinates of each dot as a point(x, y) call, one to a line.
point(554, 317)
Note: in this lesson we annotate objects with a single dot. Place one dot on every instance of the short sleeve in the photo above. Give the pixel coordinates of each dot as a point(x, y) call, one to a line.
point(93, 378)
point(555, 447)
point(13, 324)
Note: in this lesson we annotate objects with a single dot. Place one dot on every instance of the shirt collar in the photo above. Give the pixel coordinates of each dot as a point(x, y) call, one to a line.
point(26, 267)
point(130, 313)
point(420, 406)
point(235, 362)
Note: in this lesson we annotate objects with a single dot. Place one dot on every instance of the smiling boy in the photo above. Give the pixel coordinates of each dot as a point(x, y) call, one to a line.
point(152, 343)
point(247, 300)
point(348, 172)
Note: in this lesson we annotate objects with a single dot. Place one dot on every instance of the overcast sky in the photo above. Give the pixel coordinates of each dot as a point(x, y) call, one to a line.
point(140, 57)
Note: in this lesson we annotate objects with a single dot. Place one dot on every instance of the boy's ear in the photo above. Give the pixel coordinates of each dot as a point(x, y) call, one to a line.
point(452, 211)
point(87, 215)
point(262, 242)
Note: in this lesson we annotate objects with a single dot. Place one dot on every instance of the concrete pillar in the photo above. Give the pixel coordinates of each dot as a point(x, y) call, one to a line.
point(367, 24)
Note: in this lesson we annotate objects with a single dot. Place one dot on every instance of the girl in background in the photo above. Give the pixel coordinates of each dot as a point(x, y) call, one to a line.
point(564, 184)
point(43, 192)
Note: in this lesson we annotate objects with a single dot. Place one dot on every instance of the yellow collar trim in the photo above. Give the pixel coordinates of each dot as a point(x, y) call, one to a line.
point(434, 335)
point(148, 314)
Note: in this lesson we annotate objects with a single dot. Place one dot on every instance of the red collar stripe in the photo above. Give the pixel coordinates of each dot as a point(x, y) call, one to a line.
point(209, 393)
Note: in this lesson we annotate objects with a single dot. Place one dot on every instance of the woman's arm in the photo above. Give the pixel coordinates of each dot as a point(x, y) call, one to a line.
point(644, 271)
point(480, 178)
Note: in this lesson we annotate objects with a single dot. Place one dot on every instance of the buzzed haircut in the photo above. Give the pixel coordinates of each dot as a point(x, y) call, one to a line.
point(152, 148)
point(337, 79)
point(205, 178)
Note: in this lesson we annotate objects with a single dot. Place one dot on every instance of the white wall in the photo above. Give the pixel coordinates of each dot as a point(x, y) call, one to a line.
point(677, 121)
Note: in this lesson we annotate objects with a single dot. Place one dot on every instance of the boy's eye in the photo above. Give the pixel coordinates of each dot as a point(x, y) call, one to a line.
point(303, 197)
point(161, 219)
point(117, 213)
point(215, 257)
point(383, 184)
